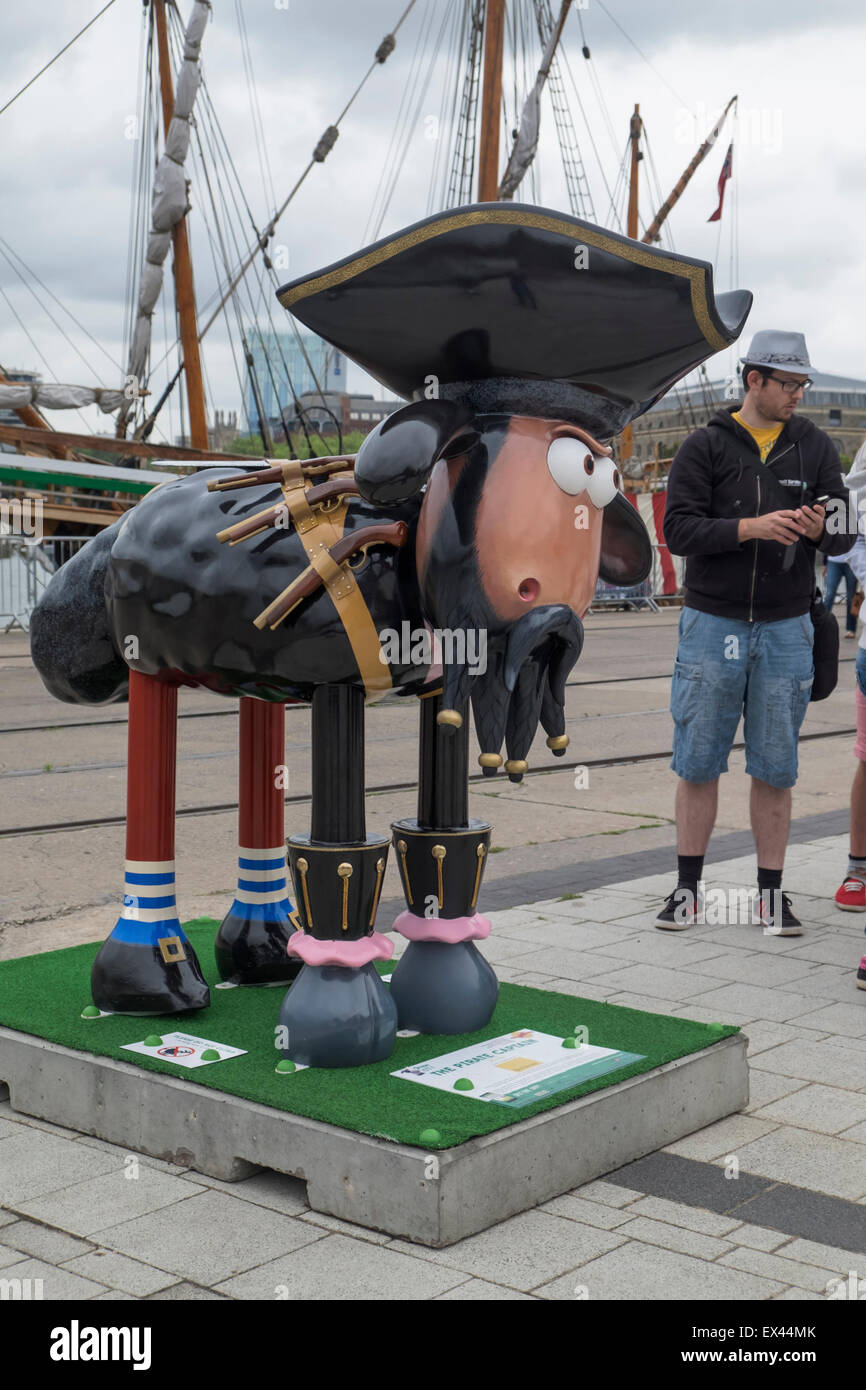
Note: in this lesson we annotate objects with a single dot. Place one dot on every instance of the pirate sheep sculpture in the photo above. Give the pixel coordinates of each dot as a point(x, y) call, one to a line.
point(485, 509)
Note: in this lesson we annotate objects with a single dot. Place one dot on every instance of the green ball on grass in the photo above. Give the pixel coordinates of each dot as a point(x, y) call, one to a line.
point(464, 1084)
point(284, 1067)
point(153, 1040)
point(210, 1054)
point(90, 1011)
point(569, 1042)
point(430, 1136)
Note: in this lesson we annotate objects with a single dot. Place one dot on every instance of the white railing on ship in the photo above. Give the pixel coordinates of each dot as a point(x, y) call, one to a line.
point(25, 569)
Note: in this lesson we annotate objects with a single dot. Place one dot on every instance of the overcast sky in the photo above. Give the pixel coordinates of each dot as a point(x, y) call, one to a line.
point(794, 214)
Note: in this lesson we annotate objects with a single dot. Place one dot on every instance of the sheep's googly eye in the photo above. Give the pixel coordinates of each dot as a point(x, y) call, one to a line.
point(602, 485)
point(574, 470)
point(570, 465)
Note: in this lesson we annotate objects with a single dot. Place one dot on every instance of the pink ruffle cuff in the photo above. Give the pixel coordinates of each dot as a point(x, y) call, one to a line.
point(352, 953)
point(447, 929)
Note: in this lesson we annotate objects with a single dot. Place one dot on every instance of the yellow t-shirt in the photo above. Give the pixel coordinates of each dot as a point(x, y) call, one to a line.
point(765, 439)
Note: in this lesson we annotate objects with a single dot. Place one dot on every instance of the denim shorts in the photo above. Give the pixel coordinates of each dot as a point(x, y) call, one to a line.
point(726, 668)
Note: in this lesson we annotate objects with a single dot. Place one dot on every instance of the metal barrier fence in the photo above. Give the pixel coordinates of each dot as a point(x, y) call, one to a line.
point(25, 570)
point(656, 586)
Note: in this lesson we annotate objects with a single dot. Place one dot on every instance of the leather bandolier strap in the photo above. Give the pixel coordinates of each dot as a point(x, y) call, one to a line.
point(318, 531)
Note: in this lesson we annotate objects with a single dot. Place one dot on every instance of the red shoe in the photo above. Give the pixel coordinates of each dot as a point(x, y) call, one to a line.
point(851, 897)
point(861, 974)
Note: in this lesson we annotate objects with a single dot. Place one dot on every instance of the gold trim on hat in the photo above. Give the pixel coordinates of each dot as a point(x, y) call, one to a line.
point(630, 251)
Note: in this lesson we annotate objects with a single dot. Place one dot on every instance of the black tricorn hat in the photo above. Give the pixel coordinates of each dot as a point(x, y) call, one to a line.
point(523, 310)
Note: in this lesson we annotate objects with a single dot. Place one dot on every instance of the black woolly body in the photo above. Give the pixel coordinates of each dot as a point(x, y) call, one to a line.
point(158, 592)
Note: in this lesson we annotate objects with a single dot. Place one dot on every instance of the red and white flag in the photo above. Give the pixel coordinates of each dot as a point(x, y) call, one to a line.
point(727, 170)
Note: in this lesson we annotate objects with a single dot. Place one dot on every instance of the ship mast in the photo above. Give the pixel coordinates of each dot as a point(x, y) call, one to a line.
point(183, 281)
point(652, 232)
point(491, 103)
point(635, 130)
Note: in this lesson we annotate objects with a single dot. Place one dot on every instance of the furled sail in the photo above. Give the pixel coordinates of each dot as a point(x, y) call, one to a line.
point(526, 140)
point(169, 197)
point(51, 395)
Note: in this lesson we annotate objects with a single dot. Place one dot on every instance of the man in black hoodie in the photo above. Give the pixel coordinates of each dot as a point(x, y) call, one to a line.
point(746, 505)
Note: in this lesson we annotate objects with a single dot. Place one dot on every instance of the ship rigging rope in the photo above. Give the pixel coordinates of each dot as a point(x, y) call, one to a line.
point(576, 89)
point(209, 131)
point(407, 120)
point(53, 60)
point(8, 252)
point(641, 53)
point(209, 124)
point(449, 111)
point(255, 111)
point(25, 330)
point(140, 189)
point(390, 166)
point(268, 231)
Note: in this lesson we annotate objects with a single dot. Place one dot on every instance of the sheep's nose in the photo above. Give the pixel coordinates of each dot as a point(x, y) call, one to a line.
point(529, 590)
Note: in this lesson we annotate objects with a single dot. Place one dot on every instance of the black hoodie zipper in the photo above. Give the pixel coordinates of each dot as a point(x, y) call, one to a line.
point(766, 464)
point(755, 563)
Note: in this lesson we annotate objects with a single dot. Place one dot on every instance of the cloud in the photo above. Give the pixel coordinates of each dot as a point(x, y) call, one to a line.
point(796, 198)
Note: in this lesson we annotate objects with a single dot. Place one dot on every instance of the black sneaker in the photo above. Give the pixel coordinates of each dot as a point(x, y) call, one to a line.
point(861, 974)
point(678, 911)
point(778, 920)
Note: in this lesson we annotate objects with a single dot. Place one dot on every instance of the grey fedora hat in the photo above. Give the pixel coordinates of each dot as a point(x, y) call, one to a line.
point(774, 348)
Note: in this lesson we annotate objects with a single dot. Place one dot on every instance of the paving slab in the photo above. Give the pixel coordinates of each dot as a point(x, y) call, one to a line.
point(815, 1061)
point(44, 1243)
point(185, 1292)
point(826, 1256)
point(759, 1237)
point(774, 1004)
point(787, 1271)
point(130, 1277)
point(336, 1268)
point(810, 1215)
point(58, 1284)
point(690, 1182)
point(526, 1251)
point(208, 1238)
point(480, 1290)
point(650, 1232)
point(635, 1272)
point(577, 1208)
point(827, 1109)
point(726, 1137)
point(33, 1163)
point(85, 1207)
point(661, 1209)
point(840, 1018)
point(608, 1193)
point(820, 1162)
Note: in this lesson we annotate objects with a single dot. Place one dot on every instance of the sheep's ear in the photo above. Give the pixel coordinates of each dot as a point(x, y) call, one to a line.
point(395, 460)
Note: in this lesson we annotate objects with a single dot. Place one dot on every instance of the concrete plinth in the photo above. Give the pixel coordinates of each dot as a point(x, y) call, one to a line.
point(436, 1197)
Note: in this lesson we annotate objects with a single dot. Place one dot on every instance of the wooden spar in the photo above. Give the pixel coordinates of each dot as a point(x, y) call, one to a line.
point(54, 441)
point(183, 281)
point(652, 231)
point(635, 130)
point(491, 106)
point(634, 134)
point(34, 420)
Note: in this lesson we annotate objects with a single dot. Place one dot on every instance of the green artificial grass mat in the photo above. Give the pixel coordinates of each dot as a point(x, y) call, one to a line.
point(44, 995)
